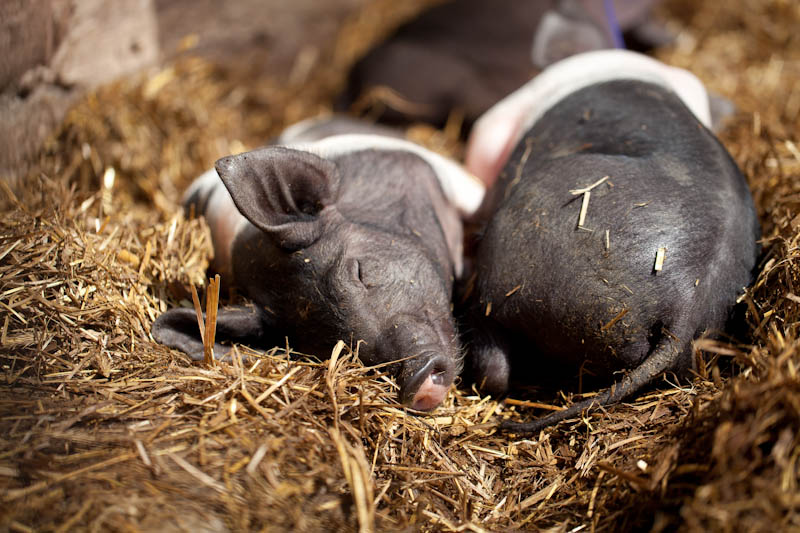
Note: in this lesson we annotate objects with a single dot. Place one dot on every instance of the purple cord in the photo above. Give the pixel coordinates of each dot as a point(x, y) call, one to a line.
point(613, 24)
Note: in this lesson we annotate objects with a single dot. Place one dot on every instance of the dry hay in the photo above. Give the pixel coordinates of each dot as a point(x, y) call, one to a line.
point(102, 429)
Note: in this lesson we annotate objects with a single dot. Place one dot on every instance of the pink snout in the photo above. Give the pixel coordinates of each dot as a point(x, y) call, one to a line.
point(426, 387)
point(431, 393)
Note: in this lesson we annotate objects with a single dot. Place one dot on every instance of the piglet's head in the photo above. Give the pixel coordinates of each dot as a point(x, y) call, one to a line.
point(333, 264)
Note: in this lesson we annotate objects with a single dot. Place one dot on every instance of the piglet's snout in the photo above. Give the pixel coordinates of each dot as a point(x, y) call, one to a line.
point(426, 386)
point(431, 393)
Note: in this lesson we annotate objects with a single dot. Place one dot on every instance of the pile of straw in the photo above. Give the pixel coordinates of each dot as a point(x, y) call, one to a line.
point(102, 429)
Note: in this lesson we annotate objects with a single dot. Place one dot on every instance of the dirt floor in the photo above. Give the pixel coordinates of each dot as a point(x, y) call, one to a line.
point(102, 429)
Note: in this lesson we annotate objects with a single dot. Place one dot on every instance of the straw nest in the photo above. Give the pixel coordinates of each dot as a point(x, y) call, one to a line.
point(102, 429)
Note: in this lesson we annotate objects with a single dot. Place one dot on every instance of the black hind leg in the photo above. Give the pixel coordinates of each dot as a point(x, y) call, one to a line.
point(490, 365)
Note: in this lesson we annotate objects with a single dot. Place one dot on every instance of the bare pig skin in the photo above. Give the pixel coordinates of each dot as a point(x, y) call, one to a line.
point(618, 227)
point(352, 236)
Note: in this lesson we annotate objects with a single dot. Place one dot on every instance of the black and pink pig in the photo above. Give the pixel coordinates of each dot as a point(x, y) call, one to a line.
point(618, 227)
point(353, 236)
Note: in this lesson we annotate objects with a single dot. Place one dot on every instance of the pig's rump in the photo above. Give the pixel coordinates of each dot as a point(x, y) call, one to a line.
point(652, 181)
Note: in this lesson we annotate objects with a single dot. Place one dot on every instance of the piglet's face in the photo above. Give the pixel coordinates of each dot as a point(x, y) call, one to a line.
point(335, 278)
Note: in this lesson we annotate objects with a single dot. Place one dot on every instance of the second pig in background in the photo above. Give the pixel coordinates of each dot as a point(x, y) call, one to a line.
point(465, 55)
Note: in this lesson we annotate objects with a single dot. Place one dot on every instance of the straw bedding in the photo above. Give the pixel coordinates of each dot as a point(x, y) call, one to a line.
point(101, 429)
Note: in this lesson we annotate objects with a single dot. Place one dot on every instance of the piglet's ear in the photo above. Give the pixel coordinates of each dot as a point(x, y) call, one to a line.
point(281, 191)
point(562, 33)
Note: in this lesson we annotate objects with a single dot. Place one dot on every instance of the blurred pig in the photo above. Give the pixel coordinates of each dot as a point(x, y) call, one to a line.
point(619, 228)
point(467, 54)
point(338, 236)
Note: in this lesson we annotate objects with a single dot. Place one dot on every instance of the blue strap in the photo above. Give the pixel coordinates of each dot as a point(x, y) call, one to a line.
point(613, 24)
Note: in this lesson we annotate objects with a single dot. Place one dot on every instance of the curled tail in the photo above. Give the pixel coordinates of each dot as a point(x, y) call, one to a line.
point(662, 358)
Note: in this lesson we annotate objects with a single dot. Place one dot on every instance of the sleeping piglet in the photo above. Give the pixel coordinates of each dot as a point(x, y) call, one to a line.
point(620, 228)
point(468, 54)
point(348, 236)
